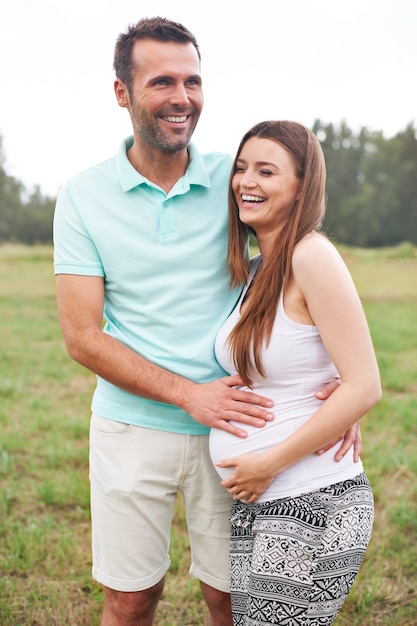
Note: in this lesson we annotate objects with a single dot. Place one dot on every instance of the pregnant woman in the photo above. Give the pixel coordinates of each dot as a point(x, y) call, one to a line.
point(300, 521)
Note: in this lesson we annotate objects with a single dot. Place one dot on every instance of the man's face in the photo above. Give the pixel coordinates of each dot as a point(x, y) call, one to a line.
point(166, 98)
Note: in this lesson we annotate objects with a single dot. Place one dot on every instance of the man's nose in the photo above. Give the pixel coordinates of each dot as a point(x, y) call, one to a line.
point(179, 95)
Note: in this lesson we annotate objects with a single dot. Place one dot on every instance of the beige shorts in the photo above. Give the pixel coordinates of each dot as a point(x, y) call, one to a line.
point(135, 474)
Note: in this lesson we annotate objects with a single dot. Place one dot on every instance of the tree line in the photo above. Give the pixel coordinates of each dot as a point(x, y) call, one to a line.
point(371, 185)
point(371, 191)
point(25, 217)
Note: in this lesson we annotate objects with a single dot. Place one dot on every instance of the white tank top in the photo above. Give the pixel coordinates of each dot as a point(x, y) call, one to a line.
point(296, 364)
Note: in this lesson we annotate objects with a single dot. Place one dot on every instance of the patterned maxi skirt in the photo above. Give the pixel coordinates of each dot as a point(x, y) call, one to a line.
point(294, 560)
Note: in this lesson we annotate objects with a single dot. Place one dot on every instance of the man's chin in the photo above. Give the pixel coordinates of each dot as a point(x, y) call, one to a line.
point(173, 147)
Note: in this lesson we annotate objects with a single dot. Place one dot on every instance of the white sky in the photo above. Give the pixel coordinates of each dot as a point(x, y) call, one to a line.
point(283, 59)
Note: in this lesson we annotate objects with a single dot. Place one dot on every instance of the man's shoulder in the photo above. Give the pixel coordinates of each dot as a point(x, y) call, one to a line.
point(215, 166)
point(104, 168)
point(207, 155)
point(216, 157)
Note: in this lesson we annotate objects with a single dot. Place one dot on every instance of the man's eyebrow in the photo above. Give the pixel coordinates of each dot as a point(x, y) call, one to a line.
point(162, 77)
point(196, 77)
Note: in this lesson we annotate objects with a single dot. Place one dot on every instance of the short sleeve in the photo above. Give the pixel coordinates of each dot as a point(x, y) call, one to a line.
point(74, 248)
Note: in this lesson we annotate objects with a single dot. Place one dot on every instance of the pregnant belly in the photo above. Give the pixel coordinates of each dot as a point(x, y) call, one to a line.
point(223, 445)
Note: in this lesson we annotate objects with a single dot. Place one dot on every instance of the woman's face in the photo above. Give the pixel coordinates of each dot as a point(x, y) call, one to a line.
point(265, 184)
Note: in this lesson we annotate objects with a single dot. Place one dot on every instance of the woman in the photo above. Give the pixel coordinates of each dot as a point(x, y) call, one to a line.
point(300, 522)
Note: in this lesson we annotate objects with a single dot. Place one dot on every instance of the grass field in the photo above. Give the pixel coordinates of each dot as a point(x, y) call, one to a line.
point(44, 493)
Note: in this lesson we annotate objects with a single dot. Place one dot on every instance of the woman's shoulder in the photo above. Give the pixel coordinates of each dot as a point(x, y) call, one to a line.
point(315, 256)
point(313, 246)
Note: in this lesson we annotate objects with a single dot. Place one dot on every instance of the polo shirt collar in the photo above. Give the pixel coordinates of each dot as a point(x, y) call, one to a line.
point(130, 178)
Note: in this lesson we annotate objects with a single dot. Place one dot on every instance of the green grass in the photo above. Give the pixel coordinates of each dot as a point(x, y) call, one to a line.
point(45, 561)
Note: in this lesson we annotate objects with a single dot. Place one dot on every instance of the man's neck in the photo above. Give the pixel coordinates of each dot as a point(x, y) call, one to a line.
point(161, 168)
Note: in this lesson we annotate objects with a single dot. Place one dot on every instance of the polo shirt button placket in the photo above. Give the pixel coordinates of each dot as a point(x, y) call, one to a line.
point(167, 219)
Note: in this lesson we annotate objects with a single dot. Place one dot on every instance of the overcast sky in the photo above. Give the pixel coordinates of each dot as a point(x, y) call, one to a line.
point(284, 59)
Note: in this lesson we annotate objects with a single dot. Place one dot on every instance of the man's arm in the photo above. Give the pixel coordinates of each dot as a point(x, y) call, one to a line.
point(352, 437)
point(80, 309)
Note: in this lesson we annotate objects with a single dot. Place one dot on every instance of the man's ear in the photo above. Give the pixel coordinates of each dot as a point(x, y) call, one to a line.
point(122, 95)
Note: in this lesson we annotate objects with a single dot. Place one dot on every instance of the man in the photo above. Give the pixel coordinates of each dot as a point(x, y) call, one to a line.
point(143, 237)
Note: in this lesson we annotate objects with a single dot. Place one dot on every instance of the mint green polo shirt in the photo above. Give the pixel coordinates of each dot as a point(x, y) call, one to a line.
point(163, 260)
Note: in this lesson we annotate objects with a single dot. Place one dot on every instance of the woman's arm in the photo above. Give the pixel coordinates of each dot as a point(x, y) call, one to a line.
point(333, 304)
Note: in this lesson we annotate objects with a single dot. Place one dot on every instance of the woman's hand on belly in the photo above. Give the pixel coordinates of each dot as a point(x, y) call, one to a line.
point(250, 478)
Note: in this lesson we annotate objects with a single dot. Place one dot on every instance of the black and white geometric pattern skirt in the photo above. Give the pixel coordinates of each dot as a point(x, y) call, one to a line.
point(293, 561)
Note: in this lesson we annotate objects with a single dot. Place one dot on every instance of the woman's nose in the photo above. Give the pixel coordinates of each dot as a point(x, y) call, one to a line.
point(247, 181)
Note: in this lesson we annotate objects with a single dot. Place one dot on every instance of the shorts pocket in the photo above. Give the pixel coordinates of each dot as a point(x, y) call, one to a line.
point(108, 426)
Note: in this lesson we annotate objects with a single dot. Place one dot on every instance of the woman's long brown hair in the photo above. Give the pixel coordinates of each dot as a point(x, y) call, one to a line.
point(256, 322)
